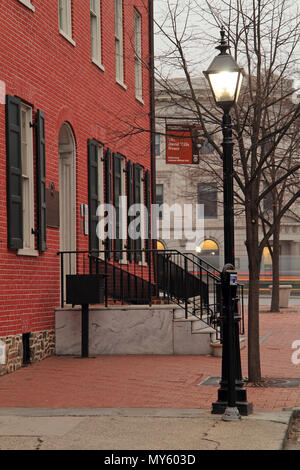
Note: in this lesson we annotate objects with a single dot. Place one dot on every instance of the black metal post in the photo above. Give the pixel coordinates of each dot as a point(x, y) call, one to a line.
point(85, 330)
point(228, 189)
point(231, 393)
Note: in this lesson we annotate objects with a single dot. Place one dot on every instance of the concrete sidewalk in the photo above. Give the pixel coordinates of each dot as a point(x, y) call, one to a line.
point(138, 429)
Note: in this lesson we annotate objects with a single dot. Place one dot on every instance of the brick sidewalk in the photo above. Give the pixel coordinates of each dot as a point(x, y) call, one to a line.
point(155, 381)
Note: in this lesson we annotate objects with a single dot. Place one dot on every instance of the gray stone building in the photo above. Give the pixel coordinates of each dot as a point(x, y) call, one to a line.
point(201, 183)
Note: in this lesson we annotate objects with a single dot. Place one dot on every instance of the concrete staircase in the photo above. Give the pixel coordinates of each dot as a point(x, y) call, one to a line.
point(192, 335)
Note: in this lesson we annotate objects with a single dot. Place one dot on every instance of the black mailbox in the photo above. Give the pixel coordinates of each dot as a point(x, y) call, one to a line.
point(83, 289)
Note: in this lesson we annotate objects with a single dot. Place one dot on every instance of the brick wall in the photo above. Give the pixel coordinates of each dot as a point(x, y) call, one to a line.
point(44, 69)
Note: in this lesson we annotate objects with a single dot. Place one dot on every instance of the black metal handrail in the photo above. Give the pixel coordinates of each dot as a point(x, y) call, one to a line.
point(168, 275)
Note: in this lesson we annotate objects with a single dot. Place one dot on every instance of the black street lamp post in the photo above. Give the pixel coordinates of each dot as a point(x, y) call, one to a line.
point(225, 78)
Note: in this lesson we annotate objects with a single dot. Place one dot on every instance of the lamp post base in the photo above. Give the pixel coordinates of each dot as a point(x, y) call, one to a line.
point(245, 408)
point(231, 414)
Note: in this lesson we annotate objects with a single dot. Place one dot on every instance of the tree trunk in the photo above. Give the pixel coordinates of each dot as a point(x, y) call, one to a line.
point(275, 271)
point(254, 256)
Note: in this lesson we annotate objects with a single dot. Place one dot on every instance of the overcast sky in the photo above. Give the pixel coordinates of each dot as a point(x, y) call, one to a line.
point(203, 38)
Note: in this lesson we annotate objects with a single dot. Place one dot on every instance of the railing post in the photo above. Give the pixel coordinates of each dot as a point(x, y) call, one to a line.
point(185, 288)
point(62, 281)
point(149, 278)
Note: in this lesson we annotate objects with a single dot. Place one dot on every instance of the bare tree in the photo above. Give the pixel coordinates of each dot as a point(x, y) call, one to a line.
point(264, 37)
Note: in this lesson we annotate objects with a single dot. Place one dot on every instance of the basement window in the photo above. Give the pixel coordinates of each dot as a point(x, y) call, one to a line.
point(26, 348)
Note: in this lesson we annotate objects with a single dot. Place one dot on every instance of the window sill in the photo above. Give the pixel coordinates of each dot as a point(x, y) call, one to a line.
point(142, 263)
point(140, 100)
point(98, 64)
point(121, 84)
point(68, 38)
point(123, 261)
point(27, 252)
point(27, 4)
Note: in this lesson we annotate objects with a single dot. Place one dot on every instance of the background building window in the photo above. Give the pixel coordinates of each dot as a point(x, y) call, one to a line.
point(138, 54)
point(160, 245)
point(209, 251)
point(65, 17)
point(206, 147)
point(268, 199)
point(95, 30)
point(157, 145)
point(208, 196)
point(160, 198)
point(119, 41)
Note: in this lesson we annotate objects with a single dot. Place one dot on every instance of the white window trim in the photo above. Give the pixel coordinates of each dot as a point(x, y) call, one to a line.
point(101, 198)
point(67, 32)
point(99, 65)
point(27, 252)
point(119, 39)
point(138, 68)
point(68, 38)
point(97, 59)
point(123, 260)
point(143, 219)
point(28, 4)
point(122, 84)
point(28, 206)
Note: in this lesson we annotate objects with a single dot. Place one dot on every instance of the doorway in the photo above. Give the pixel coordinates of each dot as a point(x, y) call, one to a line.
point(67, 199)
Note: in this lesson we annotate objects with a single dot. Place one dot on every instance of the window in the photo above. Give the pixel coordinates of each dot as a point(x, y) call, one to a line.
point(208, 196)
point(119, 41)
point(27, 4)
point(20, 178)
point(160, 198)
point(268, 199)
point(160, 245)
point(95, 190)
point(65, 19)
point(157, 145)
point(206, 147)
point(95, 31)
point(118, 192)
point(138, 55)
point(267, 258)
point(27, 179)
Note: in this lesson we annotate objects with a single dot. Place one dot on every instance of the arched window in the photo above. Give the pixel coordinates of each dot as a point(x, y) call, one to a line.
point(160, 245)
point(209, 251)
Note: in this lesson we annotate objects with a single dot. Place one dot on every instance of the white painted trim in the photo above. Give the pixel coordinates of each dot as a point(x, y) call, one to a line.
point(68, 38)
point(140, 100)
point(121, 84)
point(28, 4)
point(99, 65)
point(27, 178)
point(27, 252)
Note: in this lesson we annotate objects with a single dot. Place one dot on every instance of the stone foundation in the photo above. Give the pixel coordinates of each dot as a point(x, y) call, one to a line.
point(41, 345)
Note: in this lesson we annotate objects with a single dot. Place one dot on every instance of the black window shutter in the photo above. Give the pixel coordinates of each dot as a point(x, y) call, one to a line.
point(93, 194)
point(14, 173)
point(148, 207)
point(129, 203)
point(137, 200)
point(41, 180)
point(108, 192)
point(117, 182)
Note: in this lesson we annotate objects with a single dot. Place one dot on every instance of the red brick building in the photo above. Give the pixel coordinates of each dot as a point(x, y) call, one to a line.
point(72, 82)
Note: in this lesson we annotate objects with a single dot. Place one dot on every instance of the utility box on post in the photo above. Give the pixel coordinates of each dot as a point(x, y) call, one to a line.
point(85, 289)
